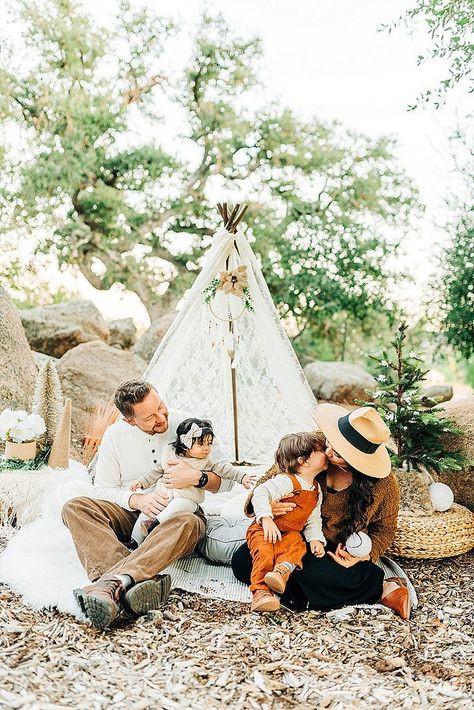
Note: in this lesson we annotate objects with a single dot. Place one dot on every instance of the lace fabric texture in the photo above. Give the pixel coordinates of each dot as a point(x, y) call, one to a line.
point(192, 366)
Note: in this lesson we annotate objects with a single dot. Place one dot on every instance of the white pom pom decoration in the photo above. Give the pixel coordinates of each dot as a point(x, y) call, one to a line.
point(441, 496)
point(358, 544)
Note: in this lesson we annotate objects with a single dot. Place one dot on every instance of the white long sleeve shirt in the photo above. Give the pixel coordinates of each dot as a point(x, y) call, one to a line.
point(127, 453)
point(280, 486)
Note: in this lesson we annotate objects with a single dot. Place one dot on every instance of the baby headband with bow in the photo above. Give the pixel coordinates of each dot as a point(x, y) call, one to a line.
point(194, 433)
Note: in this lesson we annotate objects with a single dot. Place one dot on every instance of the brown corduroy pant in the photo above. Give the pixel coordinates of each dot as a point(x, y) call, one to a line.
point(99, 530)
point(265, 555)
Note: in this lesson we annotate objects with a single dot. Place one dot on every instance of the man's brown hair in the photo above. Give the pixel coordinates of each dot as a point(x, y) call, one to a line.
point(130, 393)
point(295, 446)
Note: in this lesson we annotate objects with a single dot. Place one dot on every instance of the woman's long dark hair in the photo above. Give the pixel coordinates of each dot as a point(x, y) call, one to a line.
point(361, 497)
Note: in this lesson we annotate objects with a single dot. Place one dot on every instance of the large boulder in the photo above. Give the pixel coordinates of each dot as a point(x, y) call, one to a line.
point(438, 393)
point(57, 328)
point(146, 345)
point(338, 381)
point(461, 482)
point(90, 373)
point(17, 367)
point(123, 333)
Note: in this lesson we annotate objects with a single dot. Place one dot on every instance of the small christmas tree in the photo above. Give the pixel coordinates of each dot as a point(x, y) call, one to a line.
point(48, 400)
point(416, 430)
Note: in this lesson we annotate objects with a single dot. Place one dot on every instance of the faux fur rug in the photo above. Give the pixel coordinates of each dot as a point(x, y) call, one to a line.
point(40, 562)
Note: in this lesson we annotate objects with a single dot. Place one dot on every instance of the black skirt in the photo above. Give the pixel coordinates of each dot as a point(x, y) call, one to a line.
point(322, 584)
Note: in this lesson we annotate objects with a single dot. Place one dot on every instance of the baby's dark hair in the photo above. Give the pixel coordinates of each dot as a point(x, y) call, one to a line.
point(184, 427)
point(295, 446)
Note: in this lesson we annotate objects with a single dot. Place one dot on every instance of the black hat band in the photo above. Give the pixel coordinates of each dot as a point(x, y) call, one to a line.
point(354, 437)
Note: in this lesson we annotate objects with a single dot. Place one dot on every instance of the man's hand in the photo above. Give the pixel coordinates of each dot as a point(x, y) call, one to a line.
point(179, 474)
point(136, 485)
point(270, 530)
point(149, 503)
point(343, 558)
point(317, 548)
point(282, 506)
point(249, 480)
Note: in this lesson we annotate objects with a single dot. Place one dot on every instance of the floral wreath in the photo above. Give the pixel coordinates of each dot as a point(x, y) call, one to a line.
point(232, 283)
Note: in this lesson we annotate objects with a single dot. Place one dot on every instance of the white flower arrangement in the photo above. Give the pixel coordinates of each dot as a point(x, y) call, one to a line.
point(19, 426)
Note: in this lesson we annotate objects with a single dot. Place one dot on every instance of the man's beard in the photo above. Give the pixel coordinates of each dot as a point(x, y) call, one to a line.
point(160, 428)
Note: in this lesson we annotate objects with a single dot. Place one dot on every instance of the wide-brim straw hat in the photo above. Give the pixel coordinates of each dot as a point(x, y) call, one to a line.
point(358, 436)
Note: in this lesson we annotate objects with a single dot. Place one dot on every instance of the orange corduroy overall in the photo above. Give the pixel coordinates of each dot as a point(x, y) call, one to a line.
point(291, 547)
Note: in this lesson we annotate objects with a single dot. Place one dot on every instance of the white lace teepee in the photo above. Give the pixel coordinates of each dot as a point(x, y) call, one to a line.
point(192, 366)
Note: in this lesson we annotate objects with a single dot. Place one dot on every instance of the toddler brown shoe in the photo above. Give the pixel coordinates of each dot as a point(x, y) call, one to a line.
point(264, 601)
point(278, 579)
point(148, 525)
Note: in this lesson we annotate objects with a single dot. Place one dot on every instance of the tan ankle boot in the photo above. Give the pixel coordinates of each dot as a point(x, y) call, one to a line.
point(264, 601)
point(278, 579)
point(399, 599)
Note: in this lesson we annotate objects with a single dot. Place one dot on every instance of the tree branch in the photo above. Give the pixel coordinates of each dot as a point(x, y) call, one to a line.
point(134, 94)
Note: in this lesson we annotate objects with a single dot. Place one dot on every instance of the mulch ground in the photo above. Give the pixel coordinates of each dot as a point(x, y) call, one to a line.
point(201, 653)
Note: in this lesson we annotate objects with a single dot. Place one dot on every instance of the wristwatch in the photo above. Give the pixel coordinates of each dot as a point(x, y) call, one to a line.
point(203, 480)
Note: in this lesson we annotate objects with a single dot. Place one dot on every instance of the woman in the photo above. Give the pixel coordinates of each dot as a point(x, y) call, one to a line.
point(359, 494)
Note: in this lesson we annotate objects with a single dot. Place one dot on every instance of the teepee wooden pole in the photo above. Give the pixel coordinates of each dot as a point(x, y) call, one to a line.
point(233, 377)
point(228, 223)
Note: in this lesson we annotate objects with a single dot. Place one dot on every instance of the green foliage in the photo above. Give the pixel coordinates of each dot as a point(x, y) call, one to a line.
point(124, 207)
point(416, 430)
point(449, 24)
point(455, 287)
point(458, 290)
point(341, 337)
point(469, 371)
point(27, 284)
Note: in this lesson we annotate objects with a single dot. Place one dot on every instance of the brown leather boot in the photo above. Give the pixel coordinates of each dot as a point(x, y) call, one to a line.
point(148, 595)
point(399, 599)
point(264, 601)
point(278, 579)
point(101, 601)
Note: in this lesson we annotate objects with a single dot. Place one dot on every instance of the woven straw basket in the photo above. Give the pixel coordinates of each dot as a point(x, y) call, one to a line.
point(433, 536)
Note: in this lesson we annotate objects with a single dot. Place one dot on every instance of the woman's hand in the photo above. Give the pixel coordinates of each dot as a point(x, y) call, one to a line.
point(136, 485)
point(343, 558)
point(270, 530)
point(317, 548)
point(179, 474)
point(282, 506)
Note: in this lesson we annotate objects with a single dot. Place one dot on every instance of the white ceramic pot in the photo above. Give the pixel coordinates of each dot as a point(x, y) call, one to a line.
point(24, 451)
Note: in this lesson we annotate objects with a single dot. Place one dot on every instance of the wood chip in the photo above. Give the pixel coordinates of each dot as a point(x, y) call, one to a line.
point(210, 654)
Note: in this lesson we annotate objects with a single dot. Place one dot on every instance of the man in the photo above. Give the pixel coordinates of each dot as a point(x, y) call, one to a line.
point(100, 527)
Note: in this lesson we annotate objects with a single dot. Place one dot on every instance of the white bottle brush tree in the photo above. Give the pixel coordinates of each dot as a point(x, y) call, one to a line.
point(48, 401)
point(417, 430)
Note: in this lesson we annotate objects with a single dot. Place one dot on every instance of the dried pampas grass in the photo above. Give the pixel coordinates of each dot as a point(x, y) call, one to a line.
point(101, 416)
